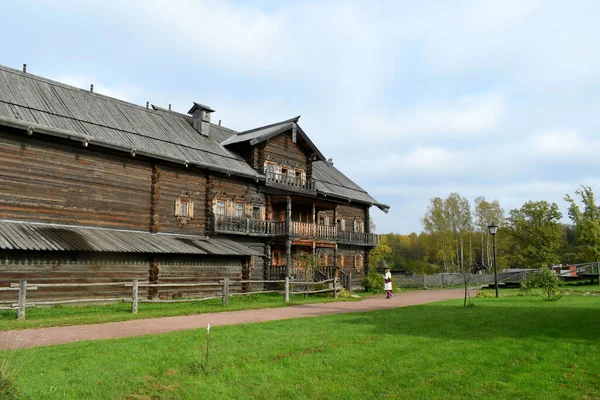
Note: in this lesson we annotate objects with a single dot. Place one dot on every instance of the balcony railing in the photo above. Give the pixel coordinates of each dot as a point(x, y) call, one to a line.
point(293, 181)
point(247, 226)
point(303, 230)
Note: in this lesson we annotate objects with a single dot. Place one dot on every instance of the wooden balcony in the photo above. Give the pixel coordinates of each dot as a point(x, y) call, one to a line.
point(256, 227)
point(247, 226)
point(289, 182)
point(331, 233)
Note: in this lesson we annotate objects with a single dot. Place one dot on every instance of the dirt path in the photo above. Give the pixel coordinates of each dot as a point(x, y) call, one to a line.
point(66, 334)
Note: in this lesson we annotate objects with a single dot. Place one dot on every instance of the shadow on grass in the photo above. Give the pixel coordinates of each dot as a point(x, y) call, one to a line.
point(490, 319)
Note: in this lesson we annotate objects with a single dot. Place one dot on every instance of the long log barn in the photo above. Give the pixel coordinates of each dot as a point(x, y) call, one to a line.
point(95, 189)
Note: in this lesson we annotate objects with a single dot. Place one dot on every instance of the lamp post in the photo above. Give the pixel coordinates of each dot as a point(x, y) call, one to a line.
point(493, 228)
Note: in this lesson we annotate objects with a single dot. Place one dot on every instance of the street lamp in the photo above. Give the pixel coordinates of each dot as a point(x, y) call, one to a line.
point(493, 228)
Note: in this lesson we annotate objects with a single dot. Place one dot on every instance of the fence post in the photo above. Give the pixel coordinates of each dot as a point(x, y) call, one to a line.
point(335, 293)
point(598, 271)
point(226, 291)
point(134, 295)
point(22, 297)
point(350, 281)
point(286, 296)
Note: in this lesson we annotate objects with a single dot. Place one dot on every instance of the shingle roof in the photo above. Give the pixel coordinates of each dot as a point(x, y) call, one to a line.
point(51, 107)
point(16, 235)
point(329, 180)
point(262, 133)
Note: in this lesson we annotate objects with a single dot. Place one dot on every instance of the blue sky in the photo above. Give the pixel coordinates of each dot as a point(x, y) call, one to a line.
point(412, 100)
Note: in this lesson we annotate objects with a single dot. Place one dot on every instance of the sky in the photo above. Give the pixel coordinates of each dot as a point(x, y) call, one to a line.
point(411, 99)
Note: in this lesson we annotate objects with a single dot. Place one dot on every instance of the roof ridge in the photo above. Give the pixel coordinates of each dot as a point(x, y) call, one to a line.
point(295, 119)
point(71, 87)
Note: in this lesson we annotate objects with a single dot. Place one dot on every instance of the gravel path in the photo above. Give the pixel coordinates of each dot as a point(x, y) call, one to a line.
point(66, 334)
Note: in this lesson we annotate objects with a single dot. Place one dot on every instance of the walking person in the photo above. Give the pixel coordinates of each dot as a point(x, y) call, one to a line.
point(387, 278)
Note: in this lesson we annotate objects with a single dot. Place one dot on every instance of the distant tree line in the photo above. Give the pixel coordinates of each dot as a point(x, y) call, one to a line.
point(455, 235)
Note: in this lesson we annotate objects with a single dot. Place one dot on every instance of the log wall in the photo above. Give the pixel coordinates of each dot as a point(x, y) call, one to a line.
point(172, 183)
point(51, 182)
point(43, 267)
point(283, 151)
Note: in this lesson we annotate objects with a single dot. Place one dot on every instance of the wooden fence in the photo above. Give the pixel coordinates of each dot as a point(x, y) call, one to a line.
point(23, 287)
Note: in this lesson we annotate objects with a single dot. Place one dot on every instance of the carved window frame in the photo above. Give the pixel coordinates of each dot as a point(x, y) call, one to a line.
point(358, 262)
point(239, 206)
point(340, 260)
point(184, 208)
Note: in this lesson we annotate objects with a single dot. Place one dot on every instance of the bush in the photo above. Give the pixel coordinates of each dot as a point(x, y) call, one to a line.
point(483, 294)
point(545, 279)
point(373, 282)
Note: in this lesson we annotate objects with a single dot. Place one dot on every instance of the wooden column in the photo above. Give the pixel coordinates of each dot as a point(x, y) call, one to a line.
point(155, 199)
point(314, 254)
point(288, 216)
point(288, 257)
point(314, 219)
point(288, 242)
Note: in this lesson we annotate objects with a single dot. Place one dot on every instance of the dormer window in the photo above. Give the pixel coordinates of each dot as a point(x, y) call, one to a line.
point(184, 208)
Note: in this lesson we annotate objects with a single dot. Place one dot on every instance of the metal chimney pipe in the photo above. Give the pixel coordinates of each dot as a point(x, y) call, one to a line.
point(25, 68)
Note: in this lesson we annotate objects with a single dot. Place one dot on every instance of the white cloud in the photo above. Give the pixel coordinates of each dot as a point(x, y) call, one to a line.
point(561, 144)
point(472, 115)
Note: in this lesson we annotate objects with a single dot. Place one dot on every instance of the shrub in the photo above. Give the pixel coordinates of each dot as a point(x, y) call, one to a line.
point(545, 279)
point(373, 282)
point(483, 294)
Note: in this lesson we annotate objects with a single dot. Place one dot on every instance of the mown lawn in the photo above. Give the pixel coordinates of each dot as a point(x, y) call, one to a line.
point(511, 348)
point(38, 317)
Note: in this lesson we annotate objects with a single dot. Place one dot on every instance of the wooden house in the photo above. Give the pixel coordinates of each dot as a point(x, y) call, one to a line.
point(95, 189)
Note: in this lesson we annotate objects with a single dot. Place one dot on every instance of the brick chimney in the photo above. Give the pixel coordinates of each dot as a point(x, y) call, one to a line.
point(201, 118)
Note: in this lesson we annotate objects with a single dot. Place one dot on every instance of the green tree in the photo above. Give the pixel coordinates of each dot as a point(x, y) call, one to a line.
point(545, 279)
point(534, 233)
point(485, 213)
point(382, 252)
point(587, 222)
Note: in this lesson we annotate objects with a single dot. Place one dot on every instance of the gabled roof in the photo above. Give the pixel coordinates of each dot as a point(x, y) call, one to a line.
point(330, 181)
point(53, 108)
point(18, 235)
point(263, 133)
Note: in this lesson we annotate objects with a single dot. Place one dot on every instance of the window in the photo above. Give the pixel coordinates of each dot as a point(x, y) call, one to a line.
point(256, 214)
point(239, 210)
point(269, 168)
point(276, 259)
point(220, 207)
point(323, 220)
point(340, 260)
point(299, 176)
point(184, 208)
point(341, 224)
point(359, 226)
point(358, 262)
point(284, 171)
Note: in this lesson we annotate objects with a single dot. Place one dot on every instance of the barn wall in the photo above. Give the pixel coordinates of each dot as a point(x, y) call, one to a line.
point(50, 182)
point(66, 267)
point(197, 269)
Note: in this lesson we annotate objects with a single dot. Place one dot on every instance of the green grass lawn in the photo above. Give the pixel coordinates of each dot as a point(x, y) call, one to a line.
point(38, 317)
point(511, 348)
